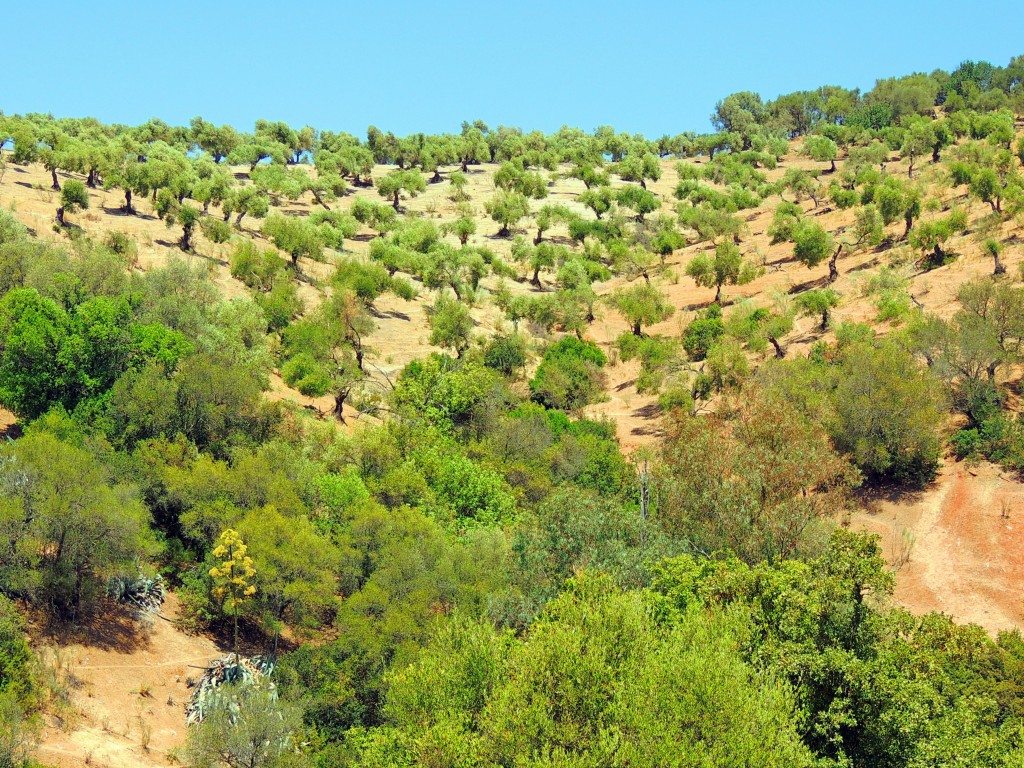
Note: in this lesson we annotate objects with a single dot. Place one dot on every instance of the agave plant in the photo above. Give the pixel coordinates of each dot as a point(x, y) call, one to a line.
point(144, 593)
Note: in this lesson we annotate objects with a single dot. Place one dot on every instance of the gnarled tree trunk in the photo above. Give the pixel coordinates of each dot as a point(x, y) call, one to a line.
point(339, 404)
point(833, 270)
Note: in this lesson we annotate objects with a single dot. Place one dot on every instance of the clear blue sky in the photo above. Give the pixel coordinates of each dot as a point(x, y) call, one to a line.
point(652, 67)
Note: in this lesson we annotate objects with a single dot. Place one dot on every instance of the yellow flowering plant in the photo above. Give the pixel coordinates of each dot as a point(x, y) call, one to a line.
point(231, 577)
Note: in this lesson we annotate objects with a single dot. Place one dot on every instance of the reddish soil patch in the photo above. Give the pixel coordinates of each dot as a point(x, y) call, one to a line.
point(967, 553)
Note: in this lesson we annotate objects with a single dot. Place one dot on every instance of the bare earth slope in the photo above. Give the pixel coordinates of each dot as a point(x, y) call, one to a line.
point(966, 557)
point(130, 695)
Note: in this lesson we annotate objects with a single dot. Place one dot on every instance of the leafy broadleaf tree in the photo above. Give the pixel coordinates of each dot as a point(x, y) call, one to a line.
point(639, 167)
point(761, 481)
point(395, 183)
point(73, 197)
point(889, 413)
point(822, 149)
point(726, 266)
point(245, 201)
point(818, 303)
point(538, 257)
point(812, 244)
point(295, 570)
point(218, 141)
point(919, 140)
point(122, 168)
point(638, 200)
point(570, 375)
point(66, 527)
point(507, 208)
point(641, 304)
point(547, 217)
point(299, 238)
point(994, 248)
point(450, 325)
point(598, 199)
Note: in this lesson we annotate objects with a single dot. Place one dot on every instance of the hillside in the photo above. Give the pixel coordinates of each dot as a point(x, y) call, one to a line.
point(492, 440)
point(400, 335)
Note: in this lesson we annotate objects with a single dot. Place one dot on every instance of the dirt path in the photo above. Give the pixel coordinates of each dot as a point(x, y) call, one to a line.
point(130, 696)
point(967, 553)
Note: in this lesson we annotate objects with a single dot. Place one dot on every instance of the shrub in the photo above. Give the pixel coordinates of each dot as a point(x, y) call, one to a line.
point(216, 231)
point(570, 375)
point(15, 656)
point(889, 413)
point(505, 354)
point(306, 375)
point(701, 334)
point(966, 442)
point(123, 245)
point(281, 305)
point(255, 267)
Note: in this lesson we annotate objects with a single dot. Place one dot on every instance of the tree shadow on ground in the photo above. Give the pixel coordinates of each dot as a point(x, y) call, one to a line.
point(649, 411)
point(120, 211)
point(820, 282)
point(871, 496)
point(385, 314)
point(111, 627)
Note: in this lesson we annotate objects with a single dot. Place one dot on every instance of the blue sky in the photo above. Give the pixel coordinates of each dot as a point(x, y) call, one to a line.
point(651, 67)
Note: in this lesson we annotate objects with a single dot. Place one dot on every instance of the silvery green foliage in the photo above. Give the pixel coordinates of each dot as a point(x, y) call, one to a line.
point(240, 674)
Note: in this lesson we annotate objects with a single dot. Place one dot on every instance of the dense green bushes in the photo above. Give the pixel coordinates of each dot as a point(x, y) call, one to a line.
point(877, 405)
point(68, 528)
point(16, 675)
point(595, 680)
point(569, 376)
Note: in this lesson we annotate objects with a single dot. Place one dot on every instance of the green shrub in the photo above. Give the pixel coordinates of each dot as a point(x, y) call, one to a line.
point(282, 304)
point(505, 354)
point(466, 492)
point(570, 375)
point(889, 413)
point(122, 244)
point(965, 442)
point(216, 230)
point(675, 397)
point(335, 494)
point(15, 656)
point(255, 267)
point(701, 334)
point(306, 375)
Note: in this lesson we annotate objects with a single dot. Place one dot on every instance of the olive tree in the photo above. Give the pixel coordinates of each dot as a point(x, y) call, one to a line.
point(725, 266)
point(507, 208)
point(397, 182)
point(641, 304)
point(297, 237)
point(638, 200)
point(822, 149)
point(818, 303)
point(73, 197)
point(639, 167)
point(450, 325)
